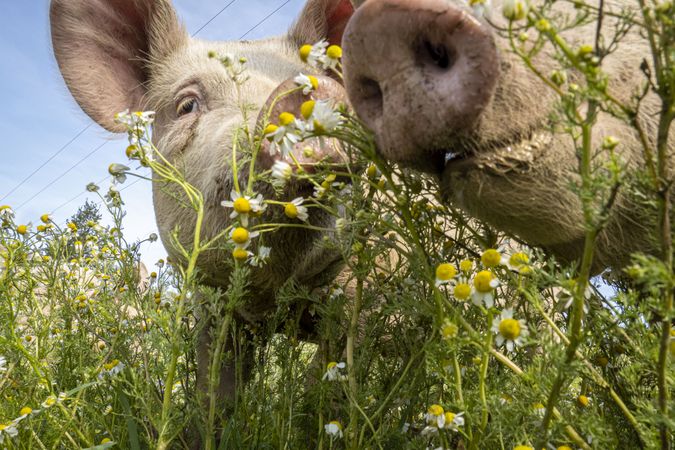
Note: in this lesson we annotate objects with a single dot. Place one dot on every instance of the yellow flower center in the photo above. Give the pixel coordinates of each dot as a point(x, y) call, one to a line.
point(242, 205)
point(44, 218)
point(449, 417)
point(509, 328)
point(583, 401)
point(41, 228)
point(466, 265)
point(286, 118)
point(331, 365)
point(445, 272)
point(337, 424)
point(51, 401)
point(371, 171)
point(25, 411)
point(240, 235)
point(482, 281)
point(462, 291)
point(313, 81)
point(307, 108)
point(269, 129)
point(240, 254)
point(105, 440)
point(22, 229)
point(491, 258)
point(72, 226)
point(319, 128)
point(305, 50)
point(564, 447)
point(436, 410)
point(334, 52)
point(291, 210)
point(449, 330)
point(2, 427)
point(523, 447)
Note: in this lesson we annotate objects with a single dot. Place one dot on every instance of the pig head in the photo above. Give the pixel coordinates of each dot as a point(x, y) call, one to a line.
point(443, 92)
point(135, 54)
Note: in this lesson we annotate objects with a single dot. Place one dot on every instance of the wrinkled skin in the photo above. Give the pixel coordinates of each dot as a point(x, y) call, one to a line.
point(434, 81)
point(134, 54)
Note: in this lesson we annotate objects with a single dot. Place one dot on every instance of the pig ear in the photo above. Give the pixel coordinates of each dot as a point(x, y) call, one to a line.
point(321, 19)
point(104, 48)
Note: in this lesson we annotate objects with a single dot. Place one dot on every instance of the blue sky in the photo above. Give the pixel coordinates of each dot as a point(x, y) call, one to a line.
point(39, 116)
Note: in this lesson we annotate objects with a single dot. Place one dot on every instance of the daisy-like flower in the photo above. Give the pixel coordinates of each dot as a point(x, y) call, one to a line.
point(315, 55)
point(295, 210)
point(3, 364)
point(25, 412)
point(281, 173)
point(435, 416)
point(6, 213)
point(445, 273)
point(324, 118)
point(461, 289)
point(283, 136)
point(134, 119)
point(261, 258)
point(453, 421)
point(111, 369)
point(479, 7)
point(333, 371)
point(484, 283)
point(520, 262)
point(449, 330)
point(509, 330)
point(466, 266)
point(333, 429)
point(28, 340)
point(583, 401)
point(8, 430)
point(241, 254)
point(243, 205)
point(492, 258)
point(308, 83)
point(333, 56)
point(241, 237)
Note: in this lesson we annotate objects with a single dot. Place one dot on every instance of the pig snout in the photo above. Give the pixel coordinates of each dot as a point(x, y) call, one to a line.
point(311, 152)
point(418, 73)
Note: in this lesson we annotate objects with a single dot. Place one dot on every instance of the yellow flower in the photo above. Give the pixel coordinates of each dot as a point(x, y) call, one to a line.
point(286, 118)
point(509, 330)
point(444, 273)
point(523, 447)
point(270, 129)
point(307, 108)
point(240, 254)
point(583, 401)
point(105, 441)
point(564, 447)
point(45, 218)
point(305, 51)
point(483, 281)
point(520, 261)
point(41, 228)
point(449, 330)
point(25, 411)
point(466, 265)
point(240, 235)
point(491, 258)
point(462, 291)
point(334, 52)
point(72, 227)
point(22, 229)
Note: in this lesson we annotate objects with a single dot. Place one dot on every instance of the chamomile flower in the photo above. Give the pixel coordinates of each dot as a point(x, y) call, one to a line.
point(261, 258)
point(8, 430)
point(333, 371)
point(515, 9)
point(3, 364)
point(435, 416)
point(492, 258)
point(315, 55)
point(445, 273)
point(111, 369)
point(295, 210)
point(118, 172)
point(324, 118)
point(484, 283)
point(241, 237)
point(519, 262)
point(583, 401)
point(523, 447)
point(461, 289)
point(241, 254)
point(333, 429)
point(308, 83)
point(283, 136)
point(281, 173)
point(25, 412)
point(453, 421)
point(449, 330)
point(135, 119)
point(6, 213)
point(509, 330)
point(479, 7)
point(243, 206)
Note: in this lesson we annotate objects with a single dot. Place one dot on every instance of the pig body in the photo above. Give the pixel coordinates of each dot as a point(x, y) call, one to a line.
point(451, 98)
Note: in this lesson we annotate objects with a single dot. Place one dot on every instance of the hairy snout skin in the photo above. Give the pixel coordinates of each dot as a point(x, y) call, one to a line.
point(418, 72)
point(443, 92)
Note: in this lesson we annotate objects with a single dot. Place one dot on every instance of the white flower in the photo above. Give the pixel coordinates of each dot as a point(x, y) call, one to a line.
point(111, 369)
point(8, 430)
point(509, 330)
point(453, 421)
point(3, 364)
point(484, 283)
point(435, 416)
point(307, 82)
point(241, 237)
point(132, 120)
point(118, 172)
point(281, 173)
point(333, 429)
point(324, 118)
point(479, 7)
point(515, 9)
point(261, 258)
point(295, 210)
point(333, 372)
point(284, 139)
point(243, 205)
point(6, 213)
point(25, 412)
point(317, 55)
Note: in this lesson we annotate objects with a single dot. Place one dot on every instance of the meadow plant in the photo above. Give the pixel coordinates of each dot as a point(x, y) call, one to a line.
point(440, 332)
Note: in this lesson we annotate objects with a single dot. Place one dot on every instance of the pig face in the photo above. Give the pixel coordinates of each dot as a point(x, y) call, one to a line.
point(443, 93)
point(135, 54)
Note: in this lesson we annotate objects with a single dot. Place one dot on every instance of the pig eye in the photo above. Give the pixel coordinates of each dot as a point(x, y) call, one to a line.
point(187, 105)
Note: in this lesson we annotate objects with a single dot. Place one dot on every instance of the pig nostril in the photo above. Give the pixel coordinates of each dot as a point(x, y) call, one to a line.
point(438, 55)
point(371, 98)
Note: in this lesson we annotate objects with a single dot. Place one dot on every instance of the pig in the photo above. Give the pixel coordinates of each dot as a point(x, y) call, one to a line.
point(135, 54)
point(443, 93)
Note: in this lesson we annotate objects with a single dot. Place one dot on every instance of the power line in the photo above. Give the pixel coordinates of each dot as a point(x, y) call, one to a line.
point(77, 196)
point(58, 152)
point(51, 183)
point(212, 18)
point(266, 17)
